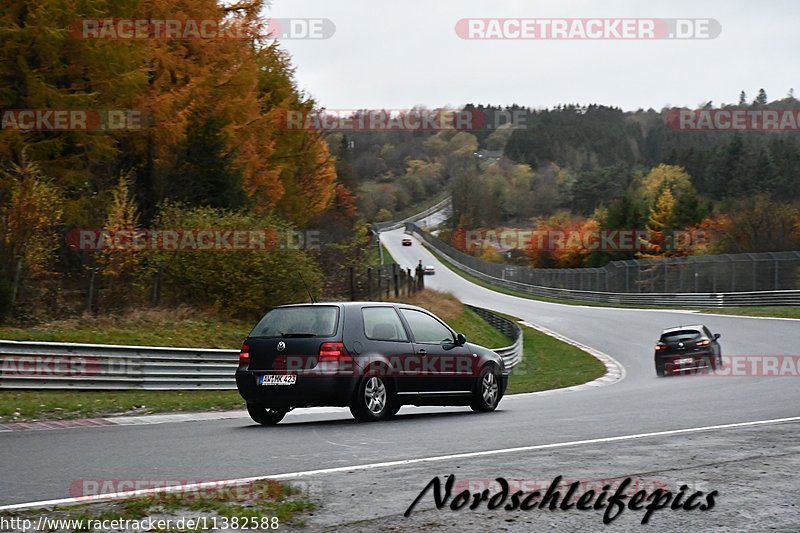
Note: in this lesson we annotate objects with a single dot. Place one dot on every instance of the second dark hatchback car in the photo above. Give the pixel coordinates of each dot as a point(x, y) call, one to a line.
point(687, 348)
point(373, 357)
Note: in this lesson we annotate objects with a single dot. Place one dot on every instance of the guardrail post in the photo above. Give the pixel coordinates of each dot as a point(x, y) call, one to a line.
point(394, 277)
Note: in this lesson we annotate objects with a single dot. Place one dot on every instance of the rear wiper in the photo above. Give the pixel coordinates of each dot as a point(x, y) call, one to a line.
point(297, 335)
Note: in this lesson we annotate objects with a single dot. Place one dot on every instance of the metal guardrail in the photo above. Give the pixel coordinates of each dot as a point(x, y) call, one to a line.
point(677, 299)
point(51, 365)
point(512, 354)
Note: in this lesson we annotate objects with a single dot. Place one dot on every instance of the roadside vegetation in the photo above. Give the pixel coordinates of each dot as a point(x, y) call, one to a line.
point(264, 504)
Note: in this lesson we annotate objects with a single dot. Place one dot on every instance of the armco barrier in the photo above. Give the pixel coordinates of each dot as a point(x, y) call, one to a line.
point(512, 354)
point(50, 365)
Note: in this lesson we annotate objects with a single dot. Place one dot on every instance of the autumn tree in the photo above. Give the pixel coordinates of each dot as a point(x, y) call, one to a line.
point(29, 222)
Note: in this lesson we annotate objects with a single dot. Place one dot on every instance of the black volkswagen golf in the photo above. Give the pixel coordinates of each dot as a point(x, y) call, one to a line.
point(373, 357)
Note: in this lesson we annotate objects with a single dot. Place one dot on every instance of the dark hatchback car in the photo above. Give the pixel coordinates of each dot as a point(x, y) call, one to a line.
point(687, 348)
point(372, 357)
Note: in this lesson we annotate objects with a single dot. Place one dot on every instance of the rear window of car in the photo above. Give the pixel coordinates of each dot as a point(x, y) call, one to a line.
point(300, 321)
point(680, 335)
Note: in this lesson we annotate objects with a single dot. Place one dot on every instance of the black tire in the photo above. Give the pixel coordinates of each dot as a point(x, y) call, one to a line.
point(660, 370)
point(266, 416)
point(374, 399)
point(394, 408)
point(486, 394)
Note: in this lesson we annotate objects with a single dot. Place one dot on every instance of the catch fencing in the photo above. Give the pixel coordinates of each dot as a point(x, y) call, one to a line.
point(731, 280)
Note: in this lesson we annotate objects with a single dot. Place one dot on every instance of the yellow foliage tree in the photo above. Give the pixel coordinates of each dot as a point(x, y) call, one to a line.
point(29, 224)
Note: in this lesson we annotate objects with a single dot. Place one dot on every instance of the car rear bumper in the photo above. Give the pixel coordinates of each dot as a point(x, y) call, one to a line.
point(686, 361)
point(308, 391)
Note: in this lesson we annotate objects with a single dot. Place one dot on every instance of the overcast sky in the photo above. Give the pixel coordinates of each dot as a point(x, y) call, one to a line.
point(397, 54)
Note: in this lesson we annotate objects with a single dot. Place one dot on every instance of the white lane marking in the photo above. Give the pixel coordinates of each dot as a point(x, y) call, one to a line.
point(386, 464)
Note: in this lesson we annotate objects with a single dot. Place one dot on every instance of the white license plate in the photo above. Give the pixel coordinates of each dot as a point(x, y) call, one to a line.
point(686, 361)
point(277, 379)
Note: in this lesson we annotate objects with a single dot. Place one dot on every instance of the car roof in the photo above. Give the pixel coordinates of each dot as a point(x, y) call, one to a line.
point(349, 304)
point(698, 327)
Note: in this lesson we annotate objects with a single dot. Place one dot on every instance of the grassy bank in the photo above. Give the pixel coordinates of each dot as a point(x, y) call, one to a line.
point(181, 327)
point(549, 363)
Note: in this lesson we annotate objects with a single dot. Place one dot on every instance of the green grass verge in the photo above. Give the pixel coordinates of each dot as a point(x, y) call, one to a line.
point(548, 363)
point(26, 405)
point(478, 330)
point(771, 312)
point(261, 505)
point(160, 327)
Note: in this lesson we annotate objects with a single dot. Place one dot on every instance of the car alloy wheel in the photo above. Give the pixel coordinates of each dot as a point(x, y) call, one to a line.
point(375, 395)
point(374, 399)
point(487, 391)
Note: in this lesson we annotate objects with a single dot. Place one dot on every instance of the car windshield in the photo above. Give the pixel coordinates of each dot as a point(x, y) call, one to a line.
point(680, 336)
point(299, 321)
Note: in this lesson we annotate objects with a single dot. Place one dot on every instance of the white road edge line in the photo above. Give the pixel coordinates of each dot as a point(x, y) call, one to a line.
point(387, 464)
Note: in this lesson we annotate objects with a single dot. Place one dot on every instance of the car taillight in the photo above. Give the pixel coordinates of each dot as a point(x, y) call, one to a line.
point(661, 346)
point(244, 354)
point(332, 351)
point(704, 342)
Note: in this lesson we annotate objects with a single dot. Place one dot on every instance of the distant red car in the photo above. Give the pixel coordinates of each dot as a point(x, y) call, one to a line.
point(429, 270)
point(406, 241)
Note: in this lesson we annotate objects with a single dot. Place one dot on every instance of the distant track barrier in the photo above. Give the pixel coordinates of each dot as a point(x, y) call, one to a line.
point(635, 280)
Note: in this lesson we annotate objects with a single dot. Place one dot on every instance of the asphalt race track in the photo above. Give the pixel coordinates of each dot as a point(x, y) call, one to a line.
point(41, 465)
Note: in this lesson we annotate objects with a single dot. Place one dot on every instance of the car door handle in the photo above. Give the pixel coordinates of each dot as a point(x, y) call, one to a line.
point(422, 352)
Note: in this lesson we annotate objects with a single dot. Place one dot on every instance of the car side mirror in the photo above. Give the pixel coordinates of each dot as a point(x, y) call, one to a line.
point(716, 336)
point(461, 340)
